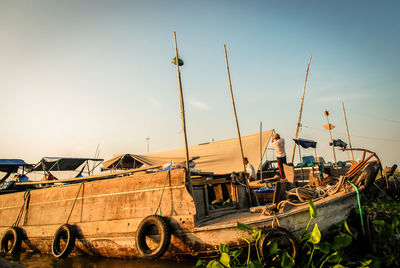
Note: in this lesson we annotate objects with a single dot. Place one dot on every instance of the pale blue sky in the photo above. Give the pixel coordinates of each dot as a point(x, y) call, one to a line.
point(75, 74)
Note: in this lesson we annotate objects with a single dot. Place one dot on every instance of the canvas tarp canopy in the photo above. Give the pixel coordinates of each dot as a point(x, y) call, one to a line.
point(220, 157)
point(338, 143)
point(61, 163)
point(125, 161)
point(12, 165)
point(305, 143)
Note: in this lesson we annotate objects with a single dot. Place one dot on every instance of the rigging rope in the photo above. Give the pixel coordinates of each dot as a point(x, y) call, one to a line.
point(162, 193)
point(70, 213)
point(27, 196)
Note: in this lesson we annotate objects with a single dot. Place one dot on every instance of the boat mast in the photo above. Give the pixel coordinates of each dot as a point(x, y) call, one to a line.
point(189, 181)
point(347, 128)
point(301, 110)
point(237, 123)
point(261, 152)
point(330, 127)
point(234, 107)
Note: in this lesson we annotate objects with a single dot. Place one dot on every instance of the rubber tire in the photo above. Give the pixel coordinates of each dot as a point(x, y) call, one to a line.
point(277, 232)
point(13, 234)
point(163, 229)
point(70, 232)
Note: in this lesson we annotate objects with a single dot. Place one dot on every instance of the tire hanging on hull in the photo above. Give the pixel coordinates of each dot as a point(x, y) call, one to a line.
point(153, 237)
point(12, 240)
point(285, 240)
point(65, 234)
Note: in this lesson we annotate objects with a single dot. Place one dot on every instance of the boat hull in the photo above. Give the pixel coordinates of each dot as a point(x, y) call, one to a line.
point(107, 214)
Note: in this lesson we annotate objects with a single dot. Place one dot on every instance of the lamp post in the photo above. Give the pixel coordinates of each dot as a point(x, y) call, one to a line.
point(148, 143)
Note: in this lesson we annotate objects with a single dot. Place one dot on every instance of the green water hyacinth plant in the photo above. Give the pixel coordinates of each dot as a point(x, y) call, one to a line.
point(235, 258)
point(332, 252)
point(342, 246)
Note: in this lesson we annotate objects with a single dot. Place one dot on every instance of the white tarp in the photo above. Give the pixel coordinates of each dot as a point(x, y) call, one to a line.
point(219, 157)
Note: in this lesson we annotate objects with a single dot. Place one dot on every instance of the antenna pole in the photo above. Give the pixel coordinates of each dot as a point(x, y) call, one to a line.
point(301, 110)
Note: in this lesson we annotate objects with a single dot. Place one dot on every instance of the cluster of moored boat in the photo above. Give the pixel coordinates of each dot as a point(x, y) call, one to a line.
point(140, 207)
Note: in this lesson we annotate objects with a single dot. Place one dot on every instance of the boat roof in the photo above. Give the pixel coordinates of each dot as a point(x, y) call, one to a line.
point(220, 157)
point(338, 143)
point(305, 143)
point(61, 163)
point(12, 165)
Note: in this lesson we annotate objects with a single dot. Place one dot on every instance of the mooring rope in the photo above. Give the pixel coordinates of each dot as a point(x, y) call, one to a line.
point(275, 219)
point(300, 195)
point(73, 205)
point(162, 193)
point(24, 206)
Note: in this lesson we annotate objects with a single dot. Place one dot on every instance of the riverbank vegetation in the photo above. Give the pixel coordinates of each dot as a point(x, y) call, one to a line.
point(370, 237)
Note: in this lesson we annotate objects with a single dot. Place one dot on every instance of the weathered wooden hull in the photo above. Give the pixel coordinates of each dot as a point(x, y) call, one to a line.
point(107, 214)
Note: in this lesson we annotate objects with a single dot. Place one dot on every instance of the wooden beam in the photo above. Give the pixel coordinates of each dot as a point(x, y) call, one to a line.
point(90, 178)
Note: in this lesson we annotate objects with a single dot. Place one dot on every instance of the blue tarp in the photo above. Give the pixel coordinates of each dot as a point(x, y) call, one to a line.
point(338, 143)
point(61, 163)
point(306, 143)
point(11, 165)
point(309, 159)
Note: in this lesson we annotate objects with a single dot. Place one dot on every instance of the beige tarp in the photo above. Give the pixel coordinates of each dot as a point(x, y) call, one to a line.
point(219, 157)
point(125, 161)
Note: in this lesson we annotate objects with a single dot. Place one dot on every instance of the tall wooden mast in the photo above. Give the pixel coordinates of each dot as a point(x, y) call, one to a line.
point(189, 181)
point(234, 107)
point(301, 110)
point(348, 133)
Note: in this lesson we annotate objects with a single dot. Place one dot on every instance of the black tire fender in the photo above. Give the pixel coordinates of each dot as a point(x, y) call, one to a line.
point(11, 240)
point(67, 233)
point(284, 235)
point(153, 225)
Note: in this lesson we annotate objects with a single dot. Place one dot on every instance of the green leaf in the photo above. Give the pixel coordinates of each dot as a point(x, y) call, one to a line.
point(339, 266)
point(334, 258)
point(365, 263)
point(214, 264)
point(256, 234)
point(244, 227)
point(223, 248)
point(225, 259)
point(315, 237)
point(287, 260)
point(255, 264)
point(342, 240)
point(347, 228)
point(324, 247)
point(304, 237)
point(313, 209)
point(273, 247)
point(378, 222)
point(234, 254)
point(201, 263)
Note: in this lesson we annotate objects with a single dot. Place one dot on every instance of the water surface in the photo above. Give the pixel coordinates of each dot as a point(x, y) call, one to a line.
point(36, 260)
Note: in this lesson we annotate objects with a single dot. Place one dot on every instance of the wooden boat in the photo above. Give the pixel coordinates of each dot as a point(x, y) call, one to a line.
point(148, 213)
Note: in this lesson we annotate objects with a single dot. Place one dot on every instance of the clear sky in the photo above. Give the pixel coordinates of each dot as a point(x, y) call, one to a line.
point(75, 74)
